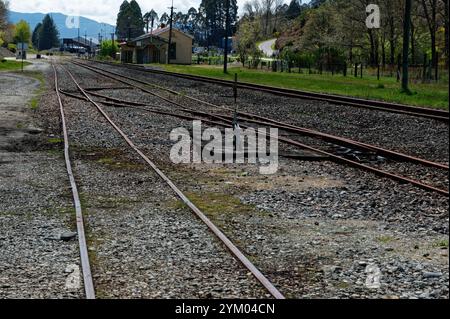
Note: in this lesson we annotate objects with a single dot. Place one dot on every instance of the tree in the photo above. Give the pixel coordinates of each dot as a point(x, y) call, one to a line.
point(246, 38)
point(406, 38)
point(447, 31)
point(49, 35)
point(268, 12)
point(3, 15)
point(150, 18)
point(430, 13)
point(214, 14)
point(137, 22)
point(109, 48)
point(293, 10)
point(23, 32)
point(164, 18)
point(3, 21)
point(36, 35)
point(130, 23)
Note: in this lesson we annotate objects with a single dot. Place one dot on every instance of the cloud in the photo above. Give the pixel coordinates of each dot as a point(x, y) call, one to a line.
point(99, 10)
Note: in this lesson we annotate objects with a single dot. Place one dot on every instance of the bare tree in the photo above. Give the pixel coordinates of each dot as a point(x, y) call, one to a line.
point(278, 8)
point(249, 11)
point(446, 27)
point(3, 14)
point(430, 13)
point(406, 38)
point(267, 4)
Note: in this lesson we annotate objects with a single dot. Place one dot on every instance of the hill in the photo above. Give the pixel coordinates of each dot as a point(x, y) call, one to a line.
point(93, 28)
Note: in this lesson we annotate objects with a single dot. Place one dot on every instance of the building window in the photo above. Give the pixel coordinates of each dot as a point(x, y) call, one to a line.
point(173, 51)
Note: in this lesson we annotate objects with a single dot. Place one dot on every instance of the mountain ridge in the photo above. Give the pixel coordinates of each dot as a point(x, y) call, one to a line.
point(88, 27)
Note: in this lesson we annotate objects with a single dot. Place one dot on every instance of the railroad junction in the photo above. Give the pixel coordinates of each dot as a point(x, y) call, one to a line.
point(91, 206)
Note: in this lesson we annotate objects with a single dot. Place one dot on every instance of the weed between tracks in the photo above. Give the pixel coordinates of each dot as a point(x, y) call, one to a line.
point(113, 159)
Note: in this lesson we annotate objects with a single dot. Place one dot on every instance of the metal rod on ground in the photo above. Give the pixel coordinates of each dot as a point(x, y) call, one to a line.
point(235, 120)
point(22, 52)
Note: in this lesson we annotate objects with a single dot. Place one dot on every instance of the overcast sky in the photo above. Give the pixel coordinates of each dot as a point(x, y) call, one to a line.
point(99, 10)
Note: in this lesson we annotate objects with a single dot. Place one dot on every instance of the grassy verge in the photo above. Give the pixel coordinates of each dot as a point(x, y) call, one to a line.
point(34, 102)
point(8, 65)
point(387, 89)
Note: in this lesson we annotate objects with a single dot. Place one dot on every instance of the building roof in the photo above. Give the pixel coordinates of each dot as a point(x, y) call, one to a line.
point(82, 41)
point(158, 32)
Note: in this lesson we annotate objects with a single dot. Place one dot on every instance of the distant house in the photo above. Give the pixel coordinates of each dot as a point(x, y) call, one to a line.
point(153, 48)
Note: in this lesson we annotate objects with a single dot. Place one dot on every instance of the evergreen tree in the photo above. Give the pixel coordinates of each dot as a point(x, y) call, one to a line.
point(214, 17)
point(130, 23)
point(294, 10)
point(137, 21)
point(36, 34)
point(48, 35)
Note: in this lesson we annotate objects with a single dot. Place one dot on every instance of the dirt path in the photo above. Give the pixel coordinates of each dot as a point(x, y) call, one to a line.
point(35, 205)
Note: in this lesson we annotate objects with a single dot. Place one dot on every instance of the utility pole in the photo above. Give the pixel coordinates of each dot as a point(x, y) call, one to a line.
point(227, 26)
point(406, 37)
point(170, 33)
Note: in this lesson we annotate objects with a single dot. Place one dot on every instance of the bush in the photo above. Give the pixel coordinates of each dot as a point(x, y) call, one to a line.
point(12, 47)
point(108, 49)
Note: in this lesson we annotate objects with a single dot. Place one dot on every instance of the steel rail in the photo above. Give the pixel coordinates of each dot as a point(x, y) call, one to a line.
point(229, 120)
point(291, 142)
point(435, 114)
point(379, 172)
point(84, 256)
point(280, 125)
point(219, 234)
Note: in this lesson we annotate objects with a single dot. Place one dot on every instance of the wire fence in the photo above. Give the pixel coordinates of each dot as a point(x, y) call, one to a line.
point(419, 73)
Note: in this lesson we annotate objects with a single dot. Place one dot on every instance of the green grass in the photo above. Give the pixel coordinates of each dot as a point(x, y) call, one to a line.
point(441, 244)
point(8, 65)
point(387, 89)
point(34, 102)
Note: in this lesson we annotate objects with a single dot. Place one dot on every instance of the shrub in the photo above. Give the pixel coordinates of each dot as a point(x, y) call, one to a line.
point(108, 49)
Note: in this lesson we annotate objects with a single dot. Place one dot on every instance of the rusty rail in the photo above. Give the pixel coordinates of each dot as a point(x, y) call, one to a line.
point(84, 256)
point(118, 77)
point(217, 232)
point(416, 111)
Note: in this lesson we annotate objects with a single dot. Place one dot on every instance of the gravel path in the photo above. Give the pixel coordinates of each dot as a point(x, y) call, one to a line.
point(35, 202)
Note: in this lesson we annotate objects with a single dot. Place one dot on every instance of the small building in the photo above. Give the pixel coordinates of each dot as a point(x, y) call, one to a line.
point(153, 48)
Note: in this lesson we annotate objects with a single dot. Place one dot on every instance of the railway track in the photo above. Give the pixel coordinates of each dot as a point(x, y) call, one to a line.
point(84, 256)
point(429, 113)
point(226, 120)
point(89, 288)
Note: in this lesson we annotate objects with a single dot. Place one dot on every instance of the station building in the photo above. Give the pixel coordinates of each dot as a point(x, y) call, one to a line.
point(153, 47)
